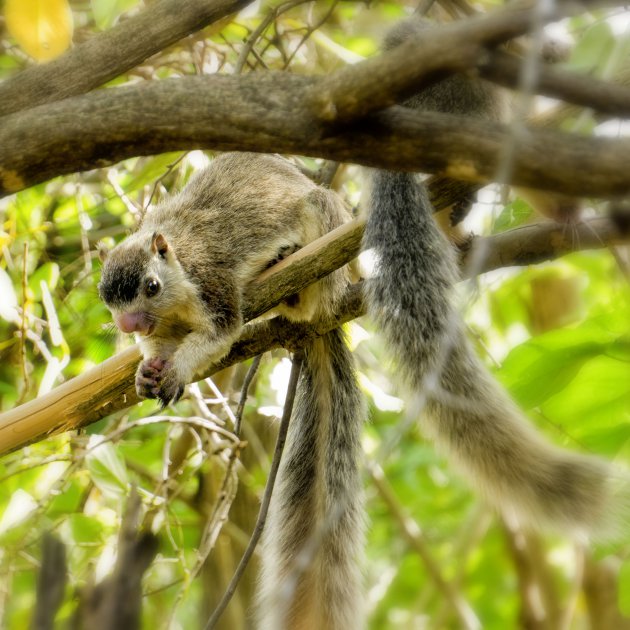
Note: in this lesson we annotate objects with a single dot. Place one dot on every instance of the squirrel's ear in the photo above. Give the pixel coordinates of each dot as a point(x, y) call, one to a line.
point(159, 245)
point(102, 250)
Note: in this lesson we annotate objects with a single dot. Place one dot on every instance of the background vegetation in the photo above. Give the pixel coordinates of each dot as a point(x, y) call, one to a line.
point(555, 334)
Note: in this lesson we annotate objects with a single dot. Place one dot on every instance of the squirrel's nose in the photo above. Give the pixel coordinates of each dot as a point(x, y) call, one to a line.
point(133, 322)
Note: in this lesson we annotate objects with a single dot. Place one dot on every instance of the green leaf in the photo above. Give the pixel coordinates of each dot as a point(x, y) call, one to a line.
point(607, 440)
point(544, 365)
point(86, 529)
point(513, 215)
point(67, 501)
point(598, 397)
point(107, 467)
point(593, 48)
point(107, 11)
point(532, 373)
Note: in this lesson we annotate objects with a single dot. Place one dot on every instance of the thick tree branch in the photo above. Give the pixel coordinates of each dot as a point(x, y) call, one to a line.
point(603, 96)
point(280, 112)
point(51, 583)
point(266, 112)
point(109, 387)
point(111, 53)
point(116, 602)
point(538, 242)
point(355, 91)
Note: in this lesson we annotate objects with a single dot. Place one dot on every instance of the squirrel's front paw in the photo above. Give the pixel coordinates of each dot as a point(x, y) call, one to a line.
point(157, 378)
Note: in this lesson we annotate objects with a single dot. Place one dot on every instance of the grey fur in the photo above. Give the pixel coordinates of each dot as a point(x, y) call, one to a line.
point(314, 536)
point(468, 414)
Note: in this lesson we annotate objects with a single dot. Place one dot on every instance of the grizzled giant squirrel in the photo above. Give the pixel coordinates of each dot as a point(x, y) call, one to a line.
point(178, 282)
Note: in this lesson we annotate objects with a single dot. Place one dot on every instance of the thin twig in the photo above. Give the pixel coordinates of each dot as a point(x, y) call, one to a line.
point(260, 29)
point(23, 328)
point(214, 524)
point(309, 31)
point(264, 506)
point(159, 180)
point(249, 377)
point(326, 173)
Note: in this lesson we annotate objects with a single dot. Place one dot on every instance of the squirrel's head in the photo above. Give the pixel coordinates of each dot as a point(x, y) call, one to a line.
point(139, 282)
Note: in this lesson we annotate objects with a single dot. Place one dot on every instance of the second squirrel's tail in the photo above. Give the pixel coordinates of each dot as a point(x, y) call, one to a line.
point(467, 413)
point(313, 538)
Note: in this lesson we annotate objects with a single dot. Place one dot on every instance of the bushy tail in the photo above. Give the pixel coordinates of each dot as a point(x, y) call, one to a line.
point(467, 412)
point(313, 538)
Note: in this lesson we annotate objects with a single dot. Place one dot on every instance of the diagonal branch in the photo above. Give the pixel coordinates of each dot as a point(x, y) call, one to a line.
point(371, 85)
point(111, 53)
point(108, 387)
point(603, 96)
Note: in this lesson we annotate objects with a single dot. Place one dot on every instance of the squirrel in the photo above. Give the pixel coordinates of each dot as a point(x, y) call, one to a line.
point(178, 282)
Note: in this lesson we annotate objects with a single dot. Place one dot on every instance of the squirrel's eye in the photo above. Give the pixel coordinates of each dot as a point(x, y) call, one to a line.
point(152, 287)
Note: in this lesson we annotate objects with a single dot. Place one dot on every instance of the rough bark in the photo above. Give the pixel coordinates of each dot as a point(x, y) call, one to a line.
point(279, 112)
point(109, 54)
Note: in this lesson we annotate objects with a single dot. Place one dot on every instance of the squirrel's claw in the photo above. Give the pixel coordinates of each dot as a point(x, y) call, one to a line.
point(157, 378)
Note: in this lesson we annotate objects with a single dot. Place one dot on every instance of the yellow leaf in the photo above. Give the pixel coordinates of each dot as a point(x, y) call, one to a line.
point(42, 28)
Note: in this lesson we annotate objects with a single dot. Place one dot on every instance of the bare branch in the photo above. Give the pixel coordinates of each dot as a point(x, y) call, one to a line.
point(249, 377)
point(109, 387)
point(412, 533)
point(533, 613)
point(538, 242)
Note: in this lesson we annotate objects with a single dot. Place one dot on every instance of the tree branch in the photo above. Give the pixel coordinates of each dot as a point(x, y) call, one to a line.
point(369, 86)
point(108, 387)
point(417, 541)
point(270, 112)
point(51, 583)
point(266, 112)
point(538, 242)
point(603, 96)
point(111, 53)
point(116, 602)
